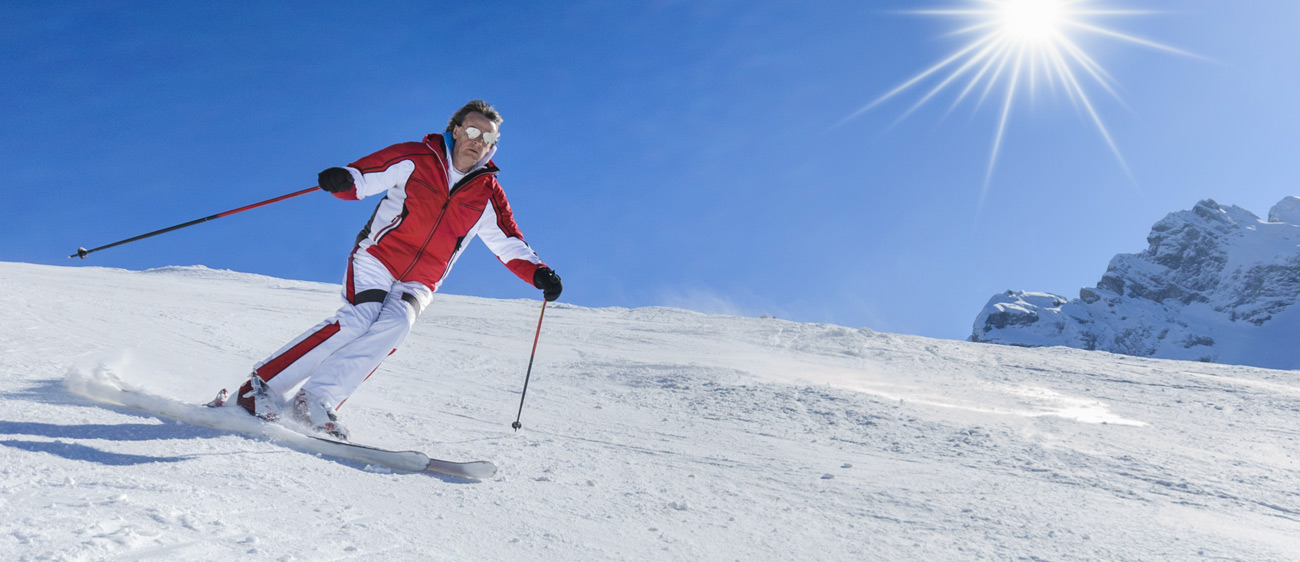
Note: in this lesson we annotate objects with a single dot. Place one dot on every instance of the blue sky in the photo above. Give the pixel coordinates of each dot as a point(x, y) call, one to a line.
point(655, 153)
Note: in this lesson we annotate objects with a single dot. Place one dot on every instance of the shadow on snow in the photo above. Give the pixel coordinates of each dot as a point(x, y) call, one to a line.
point(73, 451)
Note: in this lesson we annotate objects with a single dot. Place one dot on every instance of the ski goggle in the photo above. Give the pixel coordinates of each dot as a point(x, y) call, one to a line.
point(474, 133)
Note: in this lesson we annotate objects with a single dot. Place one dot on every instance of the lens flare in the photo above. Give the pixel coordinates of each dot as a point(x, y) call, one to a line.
point(1017, 44)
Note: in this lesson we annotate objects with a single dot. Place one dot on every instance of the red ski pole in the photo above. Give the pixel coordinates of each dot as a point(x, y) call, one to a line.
point(82, 252)
point(529, 374)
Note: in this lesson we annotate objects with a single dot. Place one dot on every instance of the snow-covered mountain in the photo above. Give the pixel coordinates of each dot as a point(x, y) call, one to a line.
point(649, 434)
point(1215, 284)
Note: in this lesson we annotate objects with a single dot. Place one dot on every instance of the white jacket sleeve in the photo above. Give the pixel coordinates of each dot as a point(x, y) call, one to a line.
point(374, 183)
point(508, 245)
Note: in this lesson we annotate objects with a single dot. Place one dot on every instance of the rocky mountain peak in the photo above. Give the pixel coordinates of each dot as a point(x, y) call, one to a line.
point(1215, 283)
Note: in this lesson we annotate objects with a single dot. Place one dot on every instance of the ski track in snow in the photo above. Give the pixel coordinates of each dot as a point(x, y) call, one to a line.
point(648, 434)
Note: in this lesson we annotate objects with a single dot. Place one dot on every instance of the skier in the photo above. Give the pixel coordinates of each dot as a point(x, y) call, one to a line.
point(438, 195)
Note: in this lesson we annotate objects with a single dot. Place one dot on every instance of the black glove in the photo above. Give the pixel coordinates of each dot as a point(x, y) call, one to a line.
point(335, 180)
point(546, 280)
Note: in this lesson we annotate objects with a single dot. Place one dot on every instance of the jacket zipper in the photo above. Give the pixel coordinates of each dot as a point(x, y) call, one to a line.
point(420, 253)
point(438, 221)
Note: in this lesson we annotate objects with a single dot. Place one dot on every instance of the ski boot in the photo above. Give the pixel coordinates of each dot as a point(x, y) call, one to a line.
point(318, 414)
point(253, 397)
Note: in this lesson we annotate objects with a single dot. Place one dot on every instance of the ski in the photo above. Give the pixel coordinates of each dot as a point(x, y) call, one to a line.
point(411, 461)
point(111, 391)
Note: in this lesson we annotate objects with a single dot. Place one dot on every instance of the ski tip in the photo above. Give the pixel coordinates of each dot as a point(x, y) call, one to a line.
point(477, 470)
point(220, 400)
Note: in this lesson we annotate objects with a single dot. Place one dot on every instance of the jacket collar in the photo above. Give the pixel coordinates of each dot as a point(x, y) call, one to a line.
point(448, 143)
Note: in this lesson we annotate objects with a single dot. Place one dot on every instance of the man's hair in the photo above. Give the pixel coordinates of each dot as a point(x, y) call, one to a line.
point(476, 106)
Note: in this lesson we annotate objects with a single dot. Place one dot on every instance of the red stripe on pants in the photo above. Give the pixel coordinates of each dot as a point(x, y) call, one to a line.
point(351, 289)
point(274, 366)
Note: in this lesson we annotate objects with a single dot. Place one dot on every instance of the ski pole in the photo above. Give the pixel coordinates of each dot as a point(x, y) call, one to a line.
point(529, 375)
point(82, 252)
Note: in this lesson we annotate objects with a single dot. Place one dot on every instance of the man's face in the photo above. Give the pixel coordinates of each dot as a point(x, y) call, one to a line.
point(467, 151)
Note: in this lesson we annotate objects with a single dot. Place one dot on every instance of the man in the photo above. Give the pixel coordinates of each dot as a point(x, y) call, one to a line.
point(438, 195)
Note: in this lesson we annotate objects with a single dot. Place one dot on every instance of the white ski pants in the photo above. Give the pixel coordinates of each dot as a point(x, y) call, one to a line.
point(333, 358)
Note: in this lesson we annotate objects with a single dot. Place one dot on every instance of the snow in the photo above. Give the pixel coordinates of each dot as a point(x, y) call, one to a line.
point(1287, 210)
point(648, 434)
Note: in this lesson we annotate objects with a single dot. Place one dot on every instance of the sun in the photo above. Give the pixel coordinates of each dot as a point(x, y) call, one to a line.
point(1016, 45)
point(1031, 20)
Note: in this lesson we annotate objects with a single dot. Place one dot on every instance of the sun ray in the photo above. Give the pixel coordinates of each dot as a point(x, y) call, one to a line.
point(1002, 65)
point(1095, 70)
point(1063, 72)
point(975, 81)
point(951, 77)
point(1132, 39)
point(1024, 44)
point(922, 76)
point(1002, 126)
point(972, 29)
point(1073, 83)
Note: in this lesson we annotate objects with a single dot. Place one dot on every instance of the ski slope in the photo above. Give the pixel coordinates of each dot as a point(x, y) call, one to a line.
point(649, 434)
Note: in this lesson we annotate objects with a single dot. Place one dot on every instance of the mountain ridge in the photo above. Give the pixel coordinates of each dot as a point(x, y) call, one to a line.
point(1215, 284)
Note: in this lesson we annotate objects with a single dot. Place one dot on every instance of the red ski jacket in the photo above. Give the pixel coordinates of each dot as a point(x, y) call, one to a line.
point(423, 224)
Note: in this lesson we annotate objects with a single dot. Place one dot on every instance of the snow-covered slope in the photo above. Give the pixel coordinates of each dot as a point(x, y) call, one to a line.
point(649, 434)
point(1215, 284)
